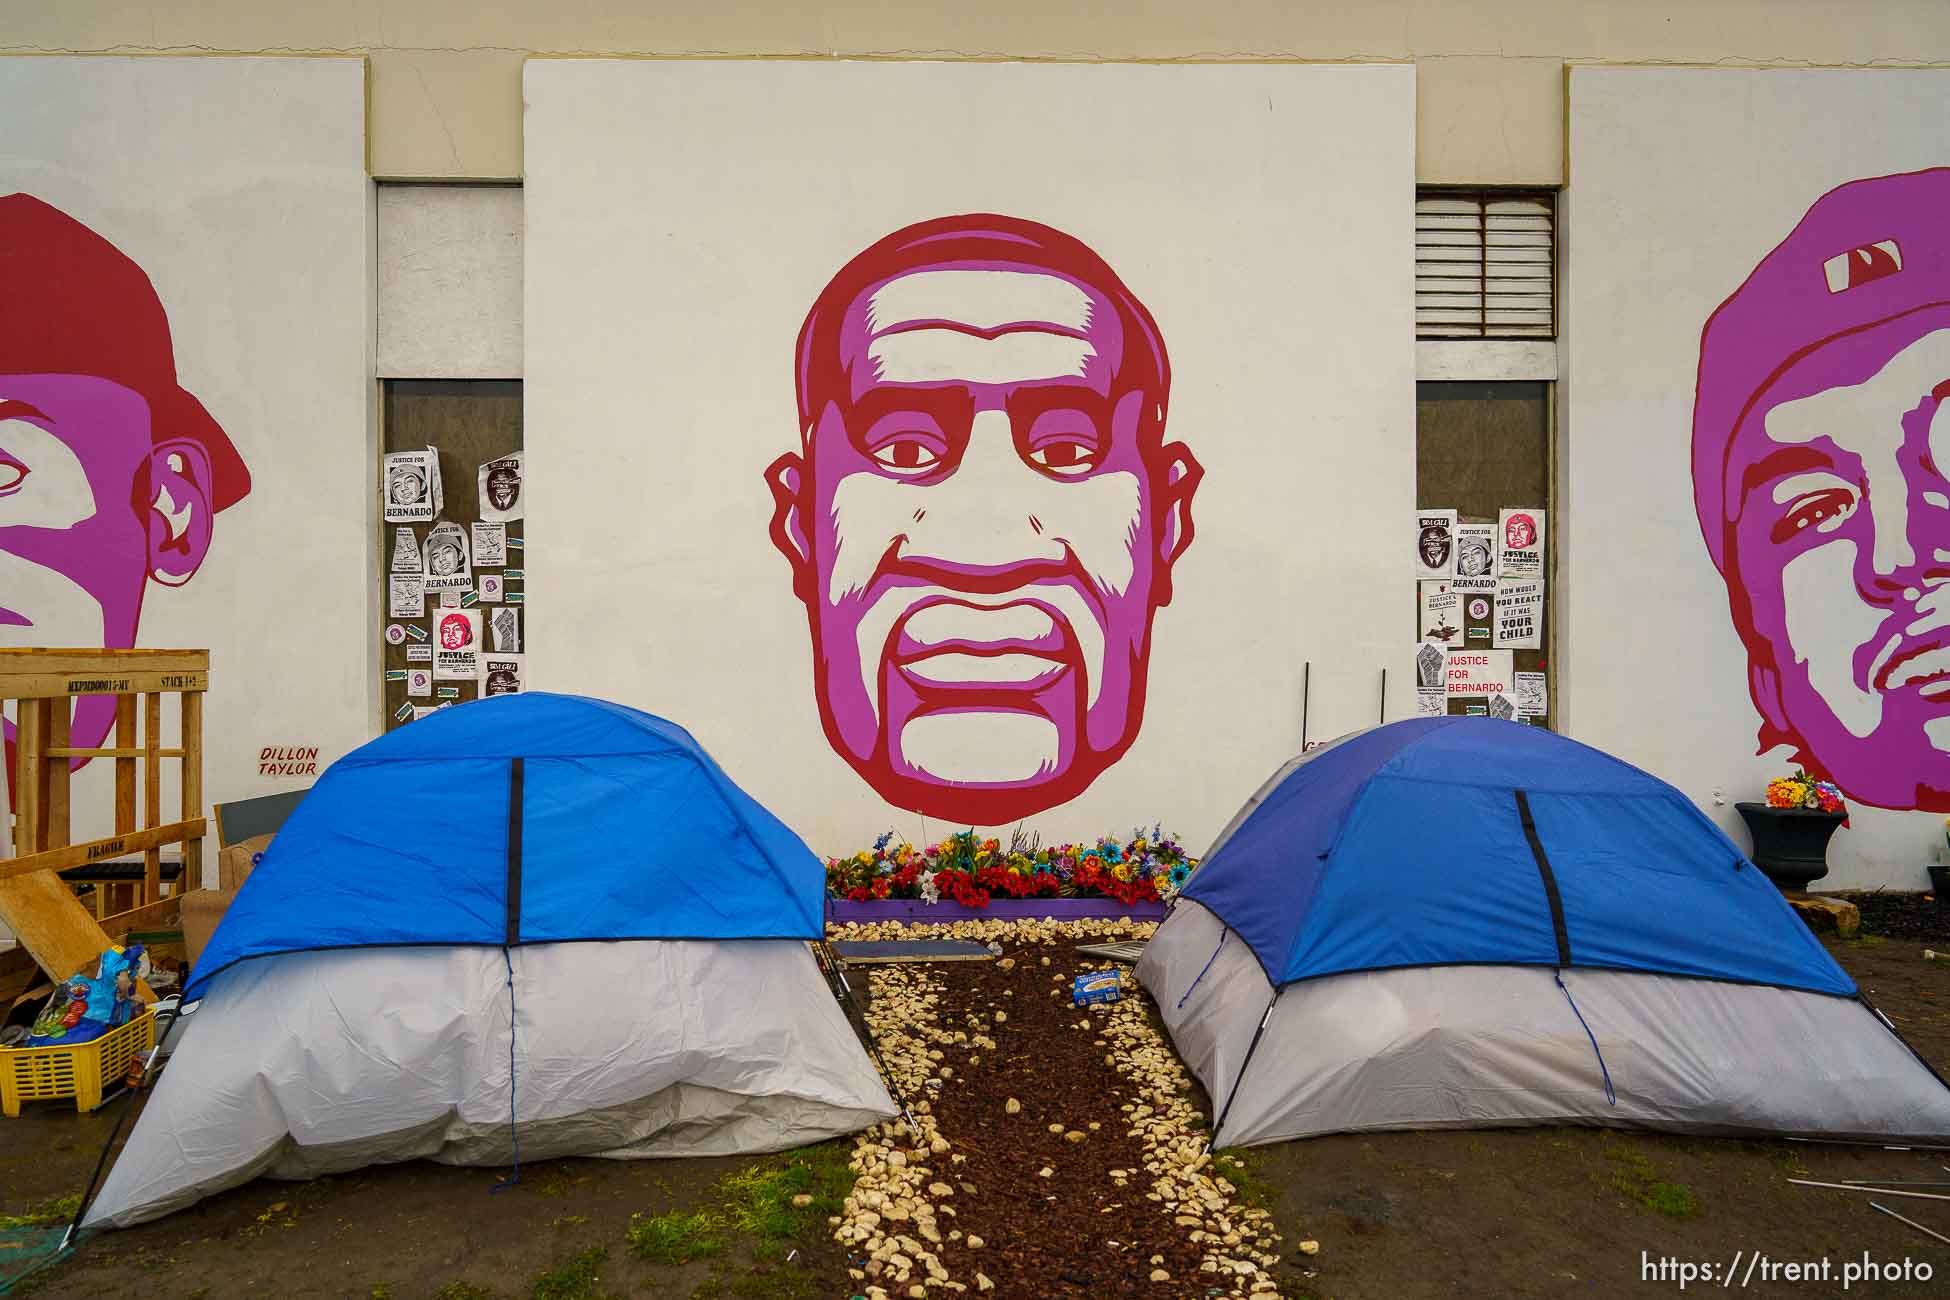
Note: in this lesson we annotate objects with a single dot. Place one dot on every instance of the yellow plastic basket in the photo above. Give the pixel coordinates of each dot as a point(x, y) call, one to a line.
point(83, 1071)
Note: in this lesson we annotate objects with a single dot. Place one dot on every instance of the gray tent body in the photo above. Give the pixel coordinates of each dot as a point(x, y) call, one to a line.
point(312, 1063)
point(1482, 1046)
point(1494, 1046)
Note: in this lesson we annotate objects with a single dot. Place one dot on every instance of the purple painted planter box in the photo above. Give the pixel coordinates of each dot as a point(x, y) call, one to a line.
point(914, 912)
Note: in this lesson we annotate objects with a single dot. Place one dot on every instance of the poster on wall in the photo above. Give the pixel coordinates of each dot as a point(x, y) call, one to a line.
point(966, 516)
point(1435, 543)
point(505, 623)
point(1475, 553)
point(1533, 700)
point(448, 569)
point(457, 645)
point(1519, 614)
point(1479, 672)
point(501, 674)
point(412, 486)
point(490, 545)
point(1520, 534)
point(406, 552)
point(406, 596)
point(1442, 615)
point(500, 483)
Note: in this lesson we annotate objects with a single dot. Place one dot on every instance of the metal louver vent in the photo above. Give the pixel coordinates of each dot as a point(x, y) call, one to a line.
point(1484, 263)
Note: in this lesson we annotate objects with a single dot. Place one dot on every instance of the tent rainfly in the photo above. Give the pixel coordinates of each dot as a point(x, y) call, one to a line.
point(531, 926)
point(1463, 922)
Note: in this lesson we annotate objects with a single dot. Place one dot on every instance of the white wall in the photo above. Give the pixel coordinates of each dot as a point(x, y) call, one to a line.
point(1682, 180)
point(681, 219)
point(239, 186)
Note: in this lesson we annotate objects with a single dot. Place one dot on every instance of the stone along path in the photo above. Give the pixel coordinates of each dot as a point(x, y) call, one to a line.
point(1060, 1152)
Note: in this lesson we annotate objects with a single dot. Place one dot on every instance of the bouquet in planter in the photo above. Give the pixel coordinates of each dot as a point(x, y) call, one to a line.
point(1145, 867)
point(1803, 791)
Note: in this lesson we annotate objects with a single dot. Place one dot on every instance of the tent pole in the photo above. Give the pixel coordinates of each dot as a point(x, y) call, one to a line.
point(1306, 687)
point(846, 996)
point(1240, 1078)
point(121, 1115)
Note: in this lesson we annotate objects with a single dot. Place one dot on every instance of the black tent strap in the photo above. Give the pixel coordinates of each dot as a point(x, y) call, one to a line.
point(514, 851)
point(1549, 877)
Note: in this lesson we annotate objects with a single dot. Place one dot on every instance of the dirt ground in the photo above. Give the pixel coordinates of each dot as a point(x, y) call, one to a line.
point(1541, 1212)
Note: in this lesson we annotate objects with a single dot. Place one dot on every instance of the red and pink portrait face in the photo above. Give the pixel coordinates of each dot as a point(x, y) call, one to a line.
point(1822, 477)
point(1519, 532)
point(109, 472)
point(456, 632)
point(984, 514)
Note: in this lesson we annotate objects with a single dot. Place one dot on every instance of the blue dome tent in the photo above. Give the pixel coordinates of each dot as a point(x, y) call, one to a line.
point(534, 925)
point(1455, 922)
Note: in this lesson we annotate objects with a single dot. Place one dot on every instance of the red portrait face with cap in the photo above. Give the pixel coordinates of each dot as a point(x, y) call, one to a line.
point(984, 514)
point(110, 472)
point(1821, 467)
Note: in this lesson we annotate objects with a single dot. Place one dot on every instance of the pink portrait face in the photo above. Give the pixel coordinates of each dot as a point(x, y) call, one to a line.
point(91, 509)
point(984, 519)
point(455, 634)
point(1821, 477)
point(1520, 532)
point(1842, 551)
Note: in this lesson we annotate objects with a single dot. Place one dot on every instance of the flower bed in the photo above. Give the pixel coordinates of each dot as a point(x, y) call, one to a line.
point(1146, 868)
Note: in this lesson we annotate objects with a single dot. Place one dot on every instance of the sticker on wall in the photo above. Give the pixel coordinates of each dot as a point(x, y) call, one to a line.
point(1476, 710)
point(1502, 706)
point(1435, 543)
point(396, 674)
point(450, 600)
point(1475, 550)
point(1479, 672)
point(505, 625)
point(513, 597)
point(412, 486)
point(406, 552)
point(1478, 634)
point(457, 645)
point(419, 683)
point(1431, 666)
point(447, 692)
point(406, 596)
point(490, 545)
point(517, 544)
point(447, 564)
point(500, 484)
point(513, 575)
point(469, 599)
point(489, 589)
point(405, 711)
point(415, 631)
point(1479, 609)
point(1441, 612)
point(1519, 614)
point(420, 710)
point(395, 634)
point(502, 675)
point(1532, 698)
point(1431, 701)
point(419, 654)
point(1521, 533)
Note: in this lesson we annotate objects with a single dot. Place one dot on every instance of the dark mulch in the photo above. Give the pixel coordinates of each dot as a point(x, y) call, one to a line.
point(1903, 916)
point(1074, 1233)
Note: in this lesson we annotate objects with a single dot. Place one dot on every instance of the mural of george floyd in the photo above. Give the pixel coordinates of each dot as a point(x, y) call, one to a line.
point(992, 444)
point(1759, 470)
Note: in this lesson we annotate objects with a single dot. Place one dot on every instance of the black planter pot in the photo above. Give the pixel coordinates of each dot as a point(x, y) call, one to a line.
point(1790, 844)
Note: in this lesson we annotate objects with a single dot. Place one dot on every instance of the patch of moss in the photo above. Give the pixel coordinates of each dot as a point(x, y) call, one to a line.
point(677, 1237)
point(52, 1213)
point(463, 1291)
point(1253, 1191)
point(1633, 1176)
point(578, 1279)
